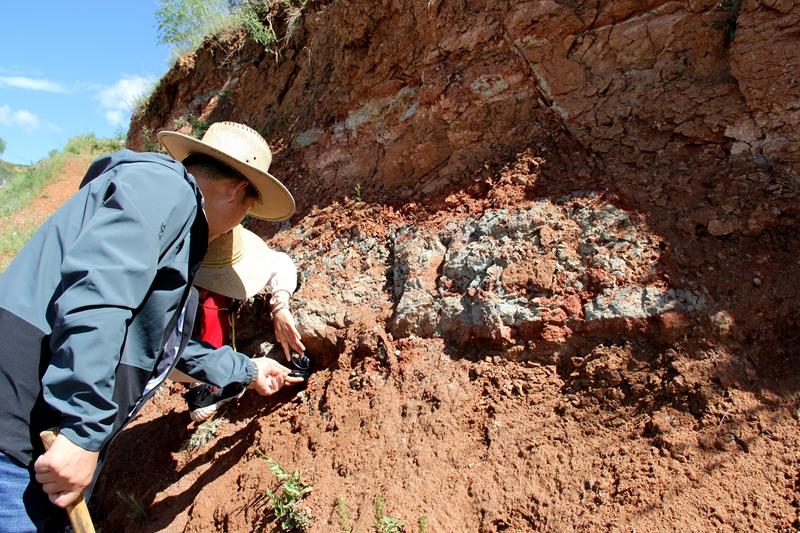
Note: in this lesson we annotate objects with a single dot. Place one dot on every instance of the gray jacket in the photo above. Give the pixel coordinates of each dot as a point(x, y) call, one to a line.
point(88, 303)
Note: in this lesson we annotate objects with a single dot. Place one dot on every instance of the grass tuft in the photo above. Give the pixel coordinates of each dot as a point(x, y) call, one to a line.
point(286, 502)
point(205, 433)
point(383, 522)
point(136, 511)
point(343, 515)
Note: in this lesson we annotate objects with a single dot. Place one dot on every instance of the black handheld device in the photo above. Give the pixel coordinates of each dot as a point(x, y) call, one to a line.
point(300, 366)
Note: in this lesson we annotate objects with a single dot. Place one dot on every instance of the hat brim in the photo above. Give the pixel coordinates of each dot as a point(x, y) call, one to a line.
point(244, 279)
point(275, 202)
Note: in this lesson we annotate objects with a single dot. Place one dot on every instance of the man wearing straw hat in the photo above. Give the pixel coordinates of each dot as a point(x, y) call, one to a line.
point(97, 308)
point(237, 266)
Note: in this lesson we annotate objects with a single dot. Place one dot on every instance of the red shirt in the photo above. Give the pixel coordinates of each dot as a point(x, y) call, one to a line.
point(213, 325)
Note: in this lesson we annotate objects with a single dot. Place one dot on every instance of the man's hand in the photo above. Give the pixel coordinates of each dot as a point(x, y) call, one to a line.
point(65, 470)
point(271, 377)
point(286, 333)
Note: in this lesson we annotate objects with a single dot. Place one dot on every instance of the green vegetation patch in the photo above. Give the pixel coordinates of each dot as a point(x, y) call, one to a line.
point(185, 24)
point(286, 502)
point(9, 171)
point(385, 523)
point(205, 433)
point(29, 181)
point(26, 182)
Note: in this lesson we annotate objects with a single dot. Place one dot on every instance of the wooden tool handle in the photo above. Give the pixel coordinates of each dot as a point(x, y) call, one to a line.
point(78, 512)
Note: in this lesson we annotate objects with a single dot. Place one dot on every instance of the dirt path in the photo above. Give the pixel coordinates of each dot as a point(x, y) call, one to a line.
point(47, 201)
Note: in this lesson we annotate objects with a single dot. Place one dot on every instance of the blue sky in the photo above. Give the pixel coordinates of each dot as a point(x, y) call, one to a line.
point(69, 67)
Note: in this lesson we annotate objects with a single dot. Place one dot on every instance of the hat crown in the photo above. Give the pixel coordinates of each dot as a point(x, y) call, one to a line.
point(225, 250)
point(245, 151)
point(241, 142)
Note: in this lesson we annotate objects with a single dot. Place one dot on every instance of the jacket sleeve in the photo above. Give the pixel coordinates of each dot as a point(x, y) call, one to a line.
point(106, 273)
point(284, 273)
point(220, 366)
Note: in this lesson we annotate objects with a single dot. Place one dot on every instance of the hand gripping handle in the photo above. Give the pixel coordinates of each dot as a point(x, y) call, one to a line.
point(78, 512)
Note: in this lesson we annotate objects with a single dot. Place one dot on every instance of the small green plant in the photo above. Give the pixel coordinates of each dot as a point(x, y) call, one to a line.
point(343, 516)
point(145, 104)
point(149, 143)
point(357, 191)
point(198, 125)
point(422, 524)
point(251, 18)
point(205, 433)
point(291, 515)
point(728, 24)
point(383, 522)
point(136, 511)
point(257, 17)
point(293, 19)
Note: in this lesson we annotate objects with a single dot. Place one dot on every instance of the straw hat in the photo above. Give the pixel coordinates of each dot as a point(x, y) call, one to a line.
point(235, 264)
point(244, 150)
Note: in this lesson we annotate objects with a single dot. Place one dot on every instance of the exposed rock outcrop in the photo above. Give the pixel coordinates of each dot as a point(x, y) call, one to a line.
point(548, 242)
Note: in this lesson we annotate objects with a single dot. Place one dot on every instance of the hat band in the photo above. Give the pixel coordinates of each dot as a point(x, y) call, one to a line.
point(228, 261)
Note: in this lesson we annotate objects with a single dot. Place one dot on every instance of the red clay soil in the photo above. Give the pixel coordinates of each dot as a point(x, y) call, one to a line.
point(432, 111)
point(477, 441)
point(691, 428)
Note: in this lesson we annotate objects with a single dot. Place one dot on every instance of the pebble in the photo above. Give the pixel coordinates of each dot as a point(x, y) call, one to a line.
point(757, 281)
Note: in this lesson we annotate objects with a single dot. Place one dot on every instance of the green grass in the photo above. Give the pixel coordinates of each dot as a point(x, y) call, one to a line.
point(23, 187)
point(9, 171)
point(26, 182)
point(11, 241)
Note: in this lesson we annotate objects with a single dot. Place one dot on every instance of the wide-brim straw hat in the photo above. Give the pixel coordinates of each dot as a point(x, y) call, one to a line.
point(235, 265)
point(244, 150)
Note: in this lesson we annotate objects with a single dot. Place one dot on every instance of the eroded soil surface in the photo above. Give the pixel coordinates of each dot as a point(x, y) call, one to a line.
point(551, 279)
point(683, 422)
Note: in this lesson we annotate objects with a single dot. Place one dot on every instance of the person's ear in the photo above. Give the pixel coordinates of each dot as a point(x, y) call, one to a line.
point(238, 191)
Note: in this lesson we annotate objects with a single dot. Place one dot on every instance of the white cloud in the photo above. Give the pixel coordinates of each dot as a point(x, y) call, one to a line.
point(24, 119)
point(23, 82)
point(20, 118)
point(115, 117)
point(119, 99)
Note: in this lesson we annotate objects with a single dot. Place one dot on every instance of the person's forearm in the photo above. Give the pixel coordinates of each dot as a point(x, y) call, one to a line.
point(220, 366)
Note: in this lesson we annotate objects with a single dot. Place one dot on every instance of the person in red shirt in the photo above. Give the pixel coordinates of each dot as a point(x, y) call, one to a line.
point(237, 266)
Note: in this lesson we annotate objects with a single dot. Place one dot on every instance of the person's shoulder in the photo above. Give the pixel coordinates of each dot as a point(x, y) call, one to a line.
point(124, 162)
point(149, 169)
point(157, 177)
point(153, 160)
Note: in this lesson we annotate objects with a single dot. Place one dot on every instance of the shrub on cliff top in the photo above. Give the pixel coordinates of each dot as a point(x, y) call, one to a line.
point(184, 24)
